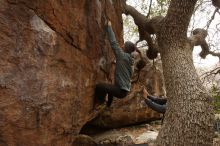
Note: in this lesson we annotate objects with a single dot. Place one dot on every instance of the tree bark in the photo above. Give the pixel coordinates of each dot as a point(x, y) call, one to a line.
point(189, 116)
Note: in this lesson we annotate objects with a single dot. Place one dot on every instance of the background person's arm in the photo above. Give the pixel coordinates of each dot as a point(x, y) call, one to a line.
point(156, 107)
point(157, 99)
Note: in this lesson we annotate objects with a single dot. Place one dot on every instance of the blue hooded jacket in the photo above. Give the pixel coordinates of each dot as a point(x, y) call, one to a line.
point(124, 63)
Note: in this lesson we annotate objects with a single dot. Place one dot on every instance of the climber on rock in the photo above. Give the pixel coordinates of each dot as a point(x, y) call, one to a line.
point(155, 103)
point(123, 71)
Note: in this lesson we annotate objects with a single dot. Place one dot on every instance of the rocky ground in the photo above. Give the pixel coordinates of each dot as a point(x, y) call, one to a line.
point(131, 135)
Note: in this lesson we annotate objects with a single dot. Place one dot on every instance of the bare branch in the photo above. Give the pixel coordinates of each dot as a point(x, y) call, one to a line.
point(138, 17)
point(212, 72)
point(212, 18)
point(215, 54)
point(148, 14)
point(146, 27)
point(198, 39)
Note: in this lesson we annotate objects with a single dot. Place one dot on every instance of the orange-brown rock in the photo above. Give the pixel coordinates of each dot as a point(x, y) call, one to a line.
point(84, 140)
point(132, 109)
point(51, 52)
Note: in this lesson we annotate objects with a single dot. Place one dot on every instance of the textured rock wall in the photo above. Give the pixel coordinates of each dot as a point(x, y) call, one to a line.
point(51, 52)
point(132, 109)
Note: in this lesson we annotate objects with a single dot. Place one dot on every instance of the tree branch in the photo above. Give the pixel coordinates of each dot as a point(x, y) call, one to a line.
point(148, 14)
point(146, 27)
point(198, 39)
point(215, 54)
point(212, 18)
point(212, 72)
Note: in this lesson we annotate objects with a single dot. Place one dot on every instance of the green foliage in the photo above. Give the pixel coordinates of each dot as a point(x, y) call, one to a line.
point(216, 98)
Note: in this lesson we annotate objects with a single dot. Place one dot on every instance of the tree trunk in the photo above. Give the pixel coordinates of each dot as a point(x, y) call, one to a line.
point(189, 116)
point(188, 119)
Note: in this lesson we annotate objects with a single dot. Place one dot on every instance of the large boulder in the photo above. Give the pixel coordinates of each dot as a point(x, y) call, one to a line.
point(132, 109)
point(51, 53)
point(84, 140)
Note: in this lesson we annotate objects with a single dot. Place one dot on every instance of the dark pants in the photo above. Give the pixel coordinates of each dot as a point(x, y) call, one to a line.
point(157, 104)
point(103, 89)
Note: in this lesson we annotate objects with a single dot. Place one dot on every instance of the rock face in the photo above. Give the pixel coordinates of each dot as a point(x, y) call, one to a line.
point(132, 109)
point(84, 140)
point(51, 53)
point(125, 112)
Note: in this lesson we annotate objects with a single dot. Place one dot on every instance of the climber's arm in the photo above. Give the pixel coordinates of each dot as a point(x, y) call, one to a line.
point(114, 44)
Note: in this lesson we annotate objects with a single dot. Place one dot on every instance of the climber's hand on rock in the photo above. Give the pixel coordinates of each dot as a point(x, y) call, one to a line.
point(109, 23)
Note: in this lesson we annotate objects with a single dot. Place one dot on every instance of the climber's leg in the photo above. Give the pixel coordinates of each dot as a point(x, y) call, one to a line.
point(116, 92)
point(100, 92)
point(112, 90)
